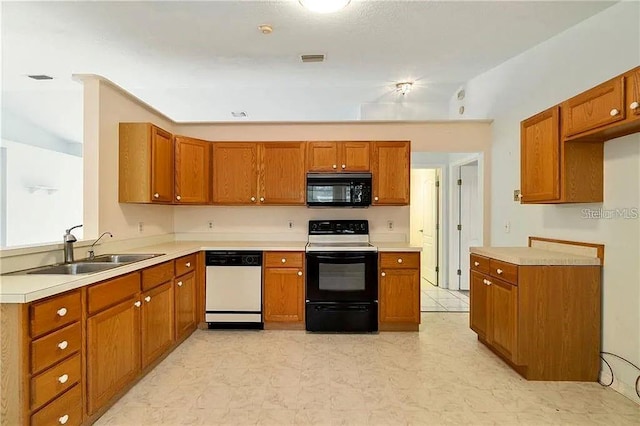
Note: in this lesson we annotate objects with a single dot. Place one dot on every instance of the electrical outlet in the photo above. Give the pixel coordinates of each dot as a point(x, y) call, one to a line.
point(507, 227)
point(516, 195)
point(210, 224)
point(390, 225)
point(140, 227)
point(290, 224)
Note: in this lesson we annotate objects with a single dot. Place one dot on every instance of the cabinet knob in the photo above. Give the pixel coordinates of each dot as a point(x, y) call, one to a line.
point(63, 378)
point(344, 166)
point(499, 271)
point(335, 166)
point(188, 264)
point(400, 260)
point(488, 282)
point(476, 263)
point(64, 419)
point(137, 304)
point(156, 195)
point(147, 299)
point(375, 198)
point(299, 273)
point(283, 260)
point(178, 197)
point(384, 274)
point(520, 196)
point(634, 105)
point(261, 199)
point(179, 283)
point(253, 199)
point(614, 112)
point(63, 345)
point(62, 312)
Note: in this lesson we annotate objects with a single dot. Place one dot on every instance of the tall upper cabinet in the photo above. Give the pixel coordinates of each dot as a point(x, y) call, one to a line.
point(192, 171)
point(390, 167)
point(146, 164)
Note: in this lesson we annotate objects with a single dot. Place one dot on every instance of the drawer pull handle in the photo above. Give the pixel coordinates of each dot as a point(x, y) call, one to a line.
point(137, 304)
point(384, 274)
point(499, 271)
point(188, 264)
point(476, 263)
point(63, 345)
point(614, 112)
point(400, 260)
point(63, 378)
point(299, 273)
point(634, 105)
point(179, 283)
point(147, 299)
point(283, 260)
point(64, 419)
point(62, 312)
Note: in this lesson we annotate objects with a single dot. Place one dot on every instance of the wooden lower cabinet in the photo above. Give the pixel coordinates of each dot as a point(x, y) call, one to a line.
point(113, 351)
point(185, 305)
point(284, 290)
point(399, 291)
point(479, 311)
point(157, 322)
point(503, 314)
point(66, 410)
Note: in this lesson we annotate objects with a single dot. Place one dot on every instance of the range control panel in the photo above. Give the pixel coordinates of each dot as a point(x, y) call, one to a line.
point(338, 227)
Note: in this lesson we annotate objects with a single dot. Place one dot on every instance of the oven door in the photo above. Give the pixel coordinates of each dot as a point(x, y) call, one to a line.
point(342, 276)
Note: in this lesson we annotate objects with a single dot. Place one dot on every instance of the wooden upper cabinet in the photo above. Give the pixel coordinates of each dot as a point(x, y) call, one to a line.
point(351, 156)
point(597, 107)
point(192, 171)
point(390, 167)
point(633, 93)
point(282, 174)
point(235, 172)
point(145, 164)
point(540, 157)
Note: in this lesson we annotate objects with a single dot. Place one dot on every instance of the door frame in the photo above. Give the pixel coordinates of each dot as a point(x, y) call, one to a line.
point(453, 281)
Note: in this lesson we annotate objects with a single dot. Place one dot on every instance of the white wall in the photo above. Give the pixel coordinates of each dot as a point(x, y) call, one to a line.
point(575, 60)
point(43, 194)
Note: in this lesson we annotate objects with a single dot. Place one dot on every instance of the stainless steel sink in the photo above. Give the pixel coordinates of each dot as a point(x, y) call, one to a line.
point(121, 258)
point(73, 268)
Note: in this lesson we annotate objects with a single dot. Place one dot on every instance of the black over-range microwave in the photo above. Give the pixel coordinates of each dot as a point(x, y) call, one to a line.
point(339, 189)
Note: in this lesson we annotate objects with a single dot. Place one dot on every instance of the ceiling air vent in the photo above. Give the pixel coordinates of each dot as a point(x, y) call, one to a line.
point(239, 114)
point(40, 77)
point(312, 58)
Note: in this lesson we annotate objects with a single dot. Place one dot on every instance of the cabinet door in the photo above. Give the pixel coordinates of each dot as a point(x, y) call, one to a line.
point(503, 312)
point(597, 107)
point(354, 156)
point(235, 173)
point(283, 295)
point(192, 171)
point(322, 156)
point(282, 175)
point(633, 93)
point(157, 322)
point(185, 304)
point(390, 169)
point(540, 157)
point(400, 295)
point(113, 351)
point(478, 312)
point(161, 166)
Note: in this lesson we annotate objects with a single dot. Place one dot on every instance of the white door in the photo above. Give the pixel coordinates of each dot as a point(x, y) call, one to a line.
point(469, 218)
point(429, 231)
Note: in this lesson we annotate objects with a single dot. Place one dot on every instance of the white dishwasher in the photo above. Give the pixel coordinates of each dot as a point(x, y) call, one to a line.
point(233, 289)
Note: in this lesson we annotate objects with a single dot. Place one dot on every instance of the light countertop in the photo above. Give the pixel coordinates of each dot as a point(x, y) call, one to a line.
point(28, 288)
point(534, 256)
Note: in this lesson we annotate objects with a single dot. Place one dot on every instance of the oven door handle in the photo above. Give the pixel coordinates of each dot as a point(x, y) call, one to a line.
point(342, 259)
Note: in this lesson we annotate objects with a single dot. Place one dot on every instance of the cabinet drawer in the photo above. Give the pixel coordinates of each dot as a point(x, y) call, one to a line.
point(399, 260)
point(156, 275)
point(109, 293)
point(504, 270)
point(53, 347)
point(185, 264)
point(284, 259)
point(65, 410)
point(480, 263)
point(51, 383)
point(55, 313)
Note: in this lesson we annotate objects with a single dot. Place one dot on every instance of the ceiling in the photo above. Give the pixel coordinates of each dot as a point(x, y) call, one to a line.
point(199, 61)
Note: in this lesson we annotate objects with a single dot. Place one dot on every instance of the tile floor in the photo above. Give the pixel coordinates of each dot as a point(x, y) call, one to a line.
point(436, 299)
point(441, 375)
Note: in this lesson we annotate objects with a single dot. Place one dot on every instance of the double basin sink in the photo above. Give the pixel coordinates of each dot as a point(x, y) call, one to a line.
point(88, 266)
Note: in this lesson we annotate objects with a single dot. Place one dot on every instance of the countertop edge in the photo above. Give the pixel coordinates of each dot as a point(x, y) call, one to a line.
point(555, 258)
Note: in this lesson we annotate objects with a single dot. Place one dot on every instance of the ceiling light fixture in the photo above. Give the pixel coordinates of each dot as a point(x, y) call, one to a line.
point(324, 6)
point(404, 87)
point(239, 114)
point(265, 29)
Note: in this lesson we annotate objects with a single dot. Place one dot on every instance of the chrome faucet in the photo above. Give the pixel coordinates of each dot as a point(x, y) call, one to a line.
point(68, 240)
point(91, 253)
